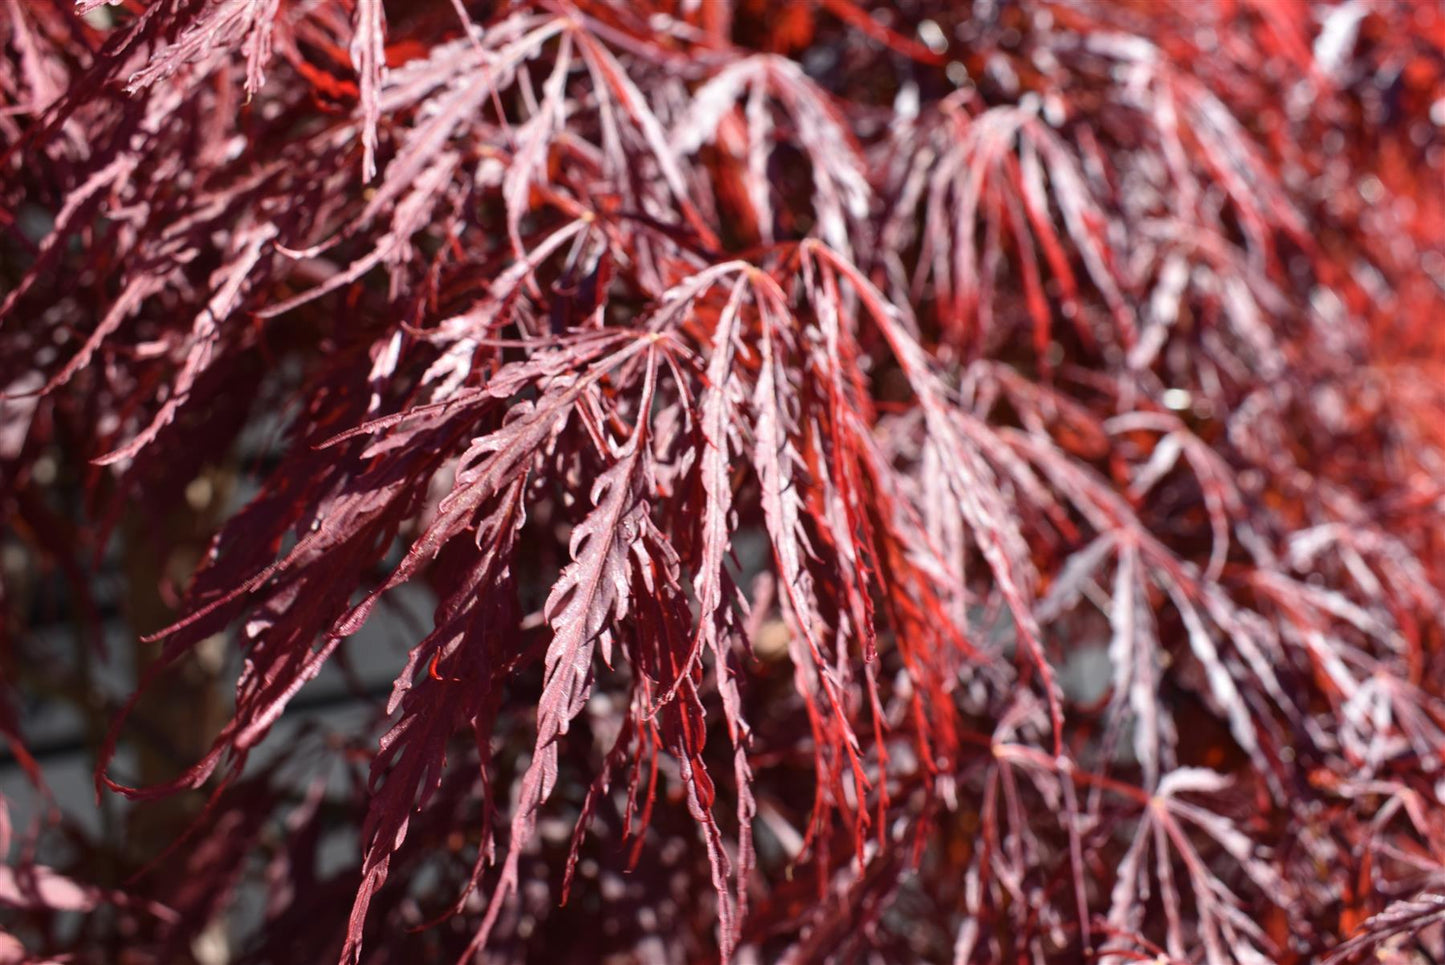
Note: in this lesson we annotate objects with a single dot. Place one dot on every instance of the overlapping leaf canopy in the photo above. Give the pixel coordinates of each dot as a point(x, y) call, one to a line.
point(784, 412)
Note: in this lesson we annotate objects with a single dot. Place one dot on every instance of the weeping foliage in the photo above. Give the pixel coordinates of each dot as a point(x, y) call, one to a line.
point(899, 482)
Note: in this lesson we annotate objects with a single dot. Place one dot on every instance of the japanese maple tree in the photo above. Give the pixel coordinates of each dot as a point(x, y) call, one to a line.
point(898, 482)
